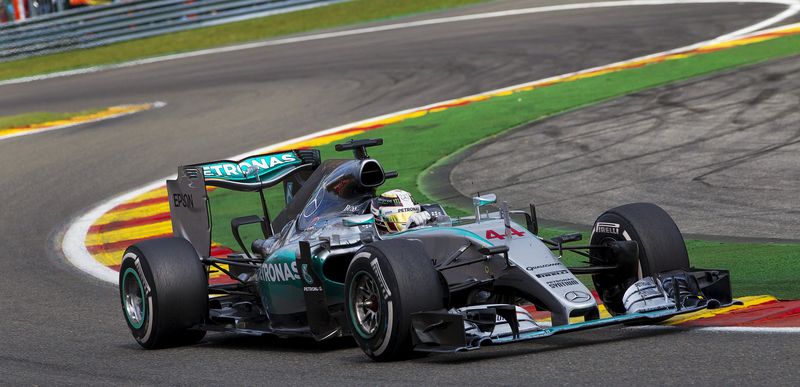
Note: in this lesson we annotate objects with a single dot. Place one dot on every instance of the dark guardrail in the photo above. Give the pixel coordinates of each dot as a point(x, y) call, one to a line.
point(118, 22)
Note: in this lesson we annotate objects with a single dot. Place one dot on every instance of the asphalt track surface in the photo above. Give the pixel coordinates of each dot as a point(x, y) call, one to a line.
point(719, 153)
point(60, 326)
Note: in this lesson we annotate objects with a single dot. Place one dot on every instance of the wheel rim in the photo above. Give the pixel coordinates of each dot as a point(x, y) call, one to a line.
point(133, 298)
point(365, 304)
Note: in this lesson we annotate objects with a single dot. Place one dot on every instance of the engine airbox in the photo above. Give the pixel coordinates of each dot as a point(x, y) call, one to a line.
point(370, 174)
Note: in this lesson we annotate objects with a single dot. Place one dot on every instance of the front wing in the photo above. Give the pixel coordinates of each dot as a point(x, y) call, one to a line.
point(504, 324)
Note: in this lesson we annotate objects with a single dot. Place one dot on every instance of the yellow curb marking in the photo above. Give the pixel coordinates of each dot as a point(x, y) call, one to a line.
point(747, 302)
point(133, 232)
point(133, 213)
point(111, 112)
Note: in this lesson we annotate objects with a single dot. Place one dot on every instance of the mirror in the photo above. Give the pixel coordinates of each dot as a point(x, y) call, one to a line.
point(358, 220)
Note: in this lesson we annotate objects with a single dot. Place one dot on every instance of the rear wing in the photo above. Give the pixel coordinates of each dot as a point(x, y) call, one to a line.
point(254, 172)
point(188, 198)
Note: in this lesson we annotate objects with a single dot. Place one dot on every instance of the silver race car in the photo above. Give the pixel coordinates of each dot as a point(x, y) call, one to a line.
point(323, 269)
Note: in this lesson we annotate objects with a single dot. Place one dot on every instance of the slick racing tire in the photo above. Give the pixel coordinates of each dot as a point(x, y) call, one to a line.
point(386, 282)
point(661, 248)
point(163, 288)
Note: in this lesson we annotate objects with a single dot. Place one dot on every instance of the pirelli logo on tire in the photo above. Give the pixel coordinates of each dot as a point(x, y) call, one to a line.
point(377, 268)
point(606, 228)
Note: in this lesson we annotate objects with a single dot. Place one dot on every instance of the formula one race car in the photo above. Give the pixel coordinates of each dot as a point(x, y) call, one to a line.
point(323, 269)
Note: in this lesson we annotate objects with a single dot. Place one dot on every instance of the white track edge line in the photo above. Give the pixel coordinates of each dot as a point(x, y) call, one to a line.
point(154, 105)
point(734, 329)
point(73, 245)
point(396, 26)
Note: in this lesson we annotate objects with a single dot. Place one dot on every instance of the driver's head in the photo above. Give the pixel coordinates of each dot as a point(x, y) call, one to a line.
point(392, 210)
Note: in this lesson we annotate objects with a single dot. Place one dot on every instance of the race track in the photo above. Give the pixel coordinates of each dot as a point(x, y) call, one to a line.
point(60, 326)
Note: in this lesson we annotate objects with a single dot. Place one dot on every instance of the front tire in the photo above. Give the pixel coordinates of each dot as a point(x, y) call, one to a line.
point(661, 248)
point(386, 282)
point(164, 292)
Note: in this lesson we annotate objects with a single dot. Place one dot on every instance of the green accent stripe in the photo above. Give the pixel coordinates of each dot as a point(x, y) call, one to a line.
point(141, 293)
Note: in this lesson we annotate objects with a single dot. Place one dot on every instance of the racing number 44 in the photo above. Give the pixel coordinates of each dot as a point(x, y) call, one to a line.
point(492, 234)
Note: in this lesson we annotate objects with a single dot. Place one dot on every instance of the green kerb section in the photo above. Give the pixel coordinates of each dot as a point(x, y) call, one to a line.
point(330, 16)
point(414, 145)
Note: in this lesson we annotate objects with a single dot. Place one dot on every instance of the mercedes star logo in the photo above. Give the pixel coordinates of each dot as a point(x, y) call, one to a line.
point(576, 296)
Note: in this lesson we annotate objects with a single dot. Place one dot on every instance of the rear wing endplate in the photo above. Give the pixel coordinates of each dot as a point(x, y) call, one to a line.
point(188, 208)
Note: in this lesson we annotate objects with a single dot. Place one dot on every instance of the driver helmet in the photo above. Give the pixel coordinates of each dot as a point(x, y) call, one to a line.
point(393, 209)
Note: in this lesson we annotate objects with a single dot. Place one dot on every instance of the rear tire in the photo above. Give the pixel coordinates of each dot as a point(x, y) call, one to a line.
point(163, 288)
point(386, 282)
point(661, 248)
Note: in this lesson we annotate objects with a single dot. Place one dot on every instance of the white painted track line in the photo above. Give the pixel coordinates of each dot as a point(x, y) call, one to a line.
point(73, 244)
point(155, 105)
point(757, 330)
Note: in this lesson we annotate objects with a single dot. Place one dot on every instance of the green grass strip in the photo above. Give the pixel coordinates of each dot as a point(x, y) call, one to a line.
point(335, 15)
point(414, 145)
point(25, 119)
